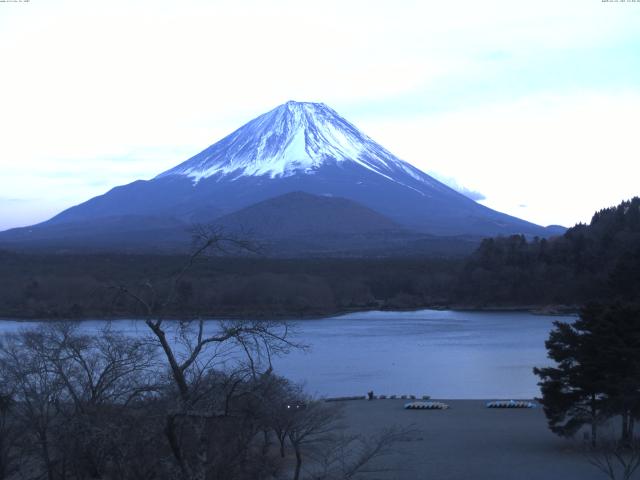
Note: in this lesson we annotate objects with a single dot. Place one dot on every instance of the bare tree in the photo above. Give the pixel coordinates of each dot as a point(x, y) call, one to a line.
point(311, 424)
point(315, 431)
point(9, 436)
point(617, 460)
point(355, 456)
point(109, 368)
point(192, 350)
point(38, 393)
point(70, 389)
point(102, 374)
point(280, 403)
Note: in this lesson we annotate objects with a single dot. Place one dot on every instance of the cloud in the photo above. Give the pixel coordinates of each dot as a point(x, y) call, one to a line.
point(453, 183)
point(567, 155)
point(472, 194)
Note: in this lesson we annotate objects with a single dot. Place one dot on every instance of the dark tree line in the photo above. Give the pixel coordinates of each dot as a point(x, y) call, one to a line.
point(596, 377)
point(599, 261)
point(77, 286)
point(596, 261)
point(589, 262)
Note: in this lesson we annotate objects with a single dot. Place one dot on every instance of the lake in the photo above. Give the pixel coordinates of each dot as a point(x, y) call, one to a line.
point(444, 354)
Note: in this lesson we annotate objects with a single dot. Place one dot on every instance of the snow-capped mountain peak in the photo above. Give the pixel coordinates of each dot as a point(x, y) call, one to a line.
point(294, 138)
point(296, 147)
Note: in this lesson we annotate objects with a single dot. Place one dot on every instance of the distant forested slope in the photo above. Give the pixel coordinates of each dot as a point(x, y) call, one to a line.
point(81, 286)
point(599, 261)
point(596, 261)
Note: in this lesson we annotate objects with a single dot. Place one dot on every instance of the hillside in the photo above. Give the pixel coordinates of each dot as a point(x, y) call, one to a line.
point(599, 261)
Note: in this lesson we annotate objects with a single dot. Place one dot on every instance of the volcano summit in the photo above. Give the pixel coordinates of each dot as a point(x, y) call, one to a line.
point(296, 147)
point(294, 138)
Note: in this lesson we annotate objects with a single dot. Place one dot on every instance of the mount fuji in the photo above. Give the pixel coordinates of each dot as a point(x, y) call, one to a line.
point(296, 147)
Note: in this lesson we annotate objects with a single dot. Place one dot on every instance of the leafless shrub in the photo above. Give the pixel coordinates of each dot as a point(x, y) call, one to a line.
point(617, 460)
point(9, 435)
point(358, 456)
point(69, 390)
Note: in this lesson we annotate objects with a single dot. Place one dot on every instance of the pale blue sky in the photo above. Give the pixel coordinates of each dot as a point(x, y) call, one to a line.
point(534, 104)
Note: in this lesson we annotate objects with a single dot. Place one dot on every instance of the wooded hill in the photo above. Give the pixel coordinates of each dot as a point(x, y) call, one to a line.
point(599, 261)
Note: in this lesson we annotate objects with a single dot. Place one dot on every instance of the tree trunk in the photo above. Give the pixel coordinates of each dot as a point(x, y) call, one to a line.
point(594, 422)
point(177, 372)
point(625, 427)
point(296, 475)
point(267, 442)
point(3, 463)
point(199, 427)
point(172, 438)
point(47, 459)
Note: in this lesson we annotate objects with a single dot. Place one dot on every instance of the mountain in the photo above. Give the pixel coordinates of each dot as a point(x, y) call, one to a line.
point(300, 223)
point(126, 233)
point(302, 214)
point(296, 147)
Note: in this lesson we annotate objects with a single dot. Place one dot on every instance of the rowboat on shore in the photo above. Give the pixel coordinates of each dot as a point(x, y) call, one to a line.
point(426, 406)
point(510, 404)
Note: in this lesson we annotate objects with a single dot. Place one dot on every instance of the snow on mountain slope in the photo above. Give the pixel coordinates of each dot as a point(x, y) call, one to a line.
point(295, 138)
point(296, 147)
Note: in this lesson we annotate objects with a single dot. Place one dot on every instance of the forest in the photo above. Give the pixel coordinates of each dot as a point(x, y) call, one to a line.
point(595, 261)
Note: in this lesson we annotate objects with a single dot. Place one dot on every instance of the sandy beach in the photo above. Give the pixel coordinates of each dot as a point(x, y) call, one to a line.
point(470, 441)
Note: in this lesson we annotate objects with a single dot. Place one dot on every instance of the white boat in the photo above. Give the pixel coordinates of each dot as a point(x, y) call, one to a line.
point(510, 404)
point(426, 406)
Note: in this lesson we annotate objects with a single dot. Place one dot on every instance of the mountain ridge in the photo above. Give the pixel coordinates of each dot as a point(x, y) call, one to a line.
point(297, 213)
point(296, 147)
point(293, 137)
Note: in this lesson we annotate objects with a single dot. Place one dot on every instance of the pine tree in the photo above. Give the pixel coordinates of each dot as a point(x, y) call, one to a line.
point(573, 392)
point(597, 372)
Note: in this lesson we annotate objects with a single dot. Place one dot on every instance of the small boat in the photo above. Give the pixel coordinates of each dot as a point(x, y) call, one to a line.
point(426, 406)
point(510, 404)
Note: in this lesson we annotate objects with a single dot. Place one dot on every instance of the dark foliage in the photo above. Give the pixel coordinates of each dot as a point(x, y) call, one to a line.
point(600, 261)
point(77, 286)
point(597, 370)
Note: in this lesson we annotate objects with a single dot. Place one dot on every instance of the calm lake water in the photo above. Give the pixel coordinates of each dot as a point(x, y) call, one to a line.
point(445, 354)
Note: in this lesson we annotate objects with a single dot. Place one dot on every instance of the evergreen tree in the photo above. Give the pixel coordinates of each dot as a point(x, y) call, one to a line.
point(617, 328)
point(573, 391)
point(597, 375)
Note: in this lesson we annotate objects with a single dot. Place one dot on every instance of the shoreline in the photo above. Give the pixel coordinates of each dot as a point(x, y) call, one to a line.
point(418, 398)
point(543, 310)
